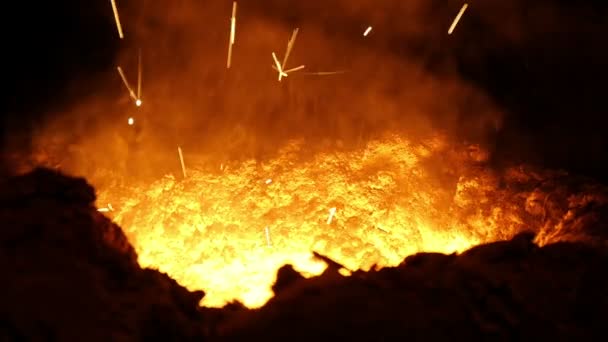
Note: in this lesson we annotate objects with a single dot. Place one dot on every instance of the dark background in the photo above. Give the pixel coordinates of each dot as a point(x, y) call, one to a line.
point(547, 71)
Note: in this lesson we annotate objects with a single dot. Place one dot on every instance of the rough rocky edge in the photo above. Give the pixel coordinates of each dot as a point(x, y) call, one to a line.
point(71, 274)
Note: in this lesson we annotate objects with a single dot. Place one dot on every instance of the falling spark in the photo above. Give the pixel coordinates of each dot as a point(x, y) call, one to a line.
point(294, 69)
point(233, 23)
point(139, 66)
point(332, 212)
point(110, 207)
point(369, 29)
point(126, 83)
point(232, 34)
point(117, 19)
point(131, 121)
point(267, 233)
point(286, 72)
point(457, 19)
point(268, 181)
point(325, 73)
point(279, 68)
point(292, 40)
point(181, 159)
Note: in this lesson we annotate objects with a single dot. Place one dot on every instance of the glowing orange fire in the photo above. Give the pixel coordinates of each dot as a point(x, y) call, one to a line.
point(230, 230)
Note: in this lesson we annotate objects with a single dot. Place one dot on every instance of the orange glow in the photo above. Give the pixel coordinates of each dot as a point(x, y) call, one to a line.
point(229, 232)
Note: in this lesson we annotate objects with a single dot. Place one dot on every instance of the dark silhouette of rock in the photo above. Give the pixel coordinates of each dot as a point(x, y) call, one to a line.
point(69, 273)
point(508, 290)
point(286, 277)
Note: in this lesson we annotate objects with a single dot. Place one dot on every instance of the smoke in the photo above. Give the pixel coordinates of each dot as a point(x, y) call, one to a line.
point(403, 77)
point(186, 46)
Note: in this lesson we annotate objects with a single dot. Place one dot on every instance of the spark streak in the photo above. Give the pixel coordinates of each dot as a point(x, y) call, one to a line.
point(369, 29)
point(294, 69)
point(292, 40)
point(181, 159)
point(278, 67)
point(332, 212)
point(267, 233)
point(139, 66)
point(232, 34)
point(126, 83)
point(106, 209)
point(457, 19)
point(117, 19)
point(286, 72)
point(326, 73)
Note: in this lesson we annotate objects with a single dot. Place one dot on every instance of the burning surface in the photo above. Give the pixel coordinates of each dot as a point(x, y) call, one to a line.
point(83, 279)
point(390, 199)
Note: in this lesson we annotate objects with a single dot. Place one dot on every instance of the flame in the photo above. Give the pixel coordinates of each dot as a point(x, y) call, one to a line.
point(229, 232)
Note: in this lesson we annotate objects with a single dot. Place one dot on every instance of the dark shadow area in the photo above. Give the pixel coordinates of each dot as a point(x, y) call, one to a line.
point(53, 54)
